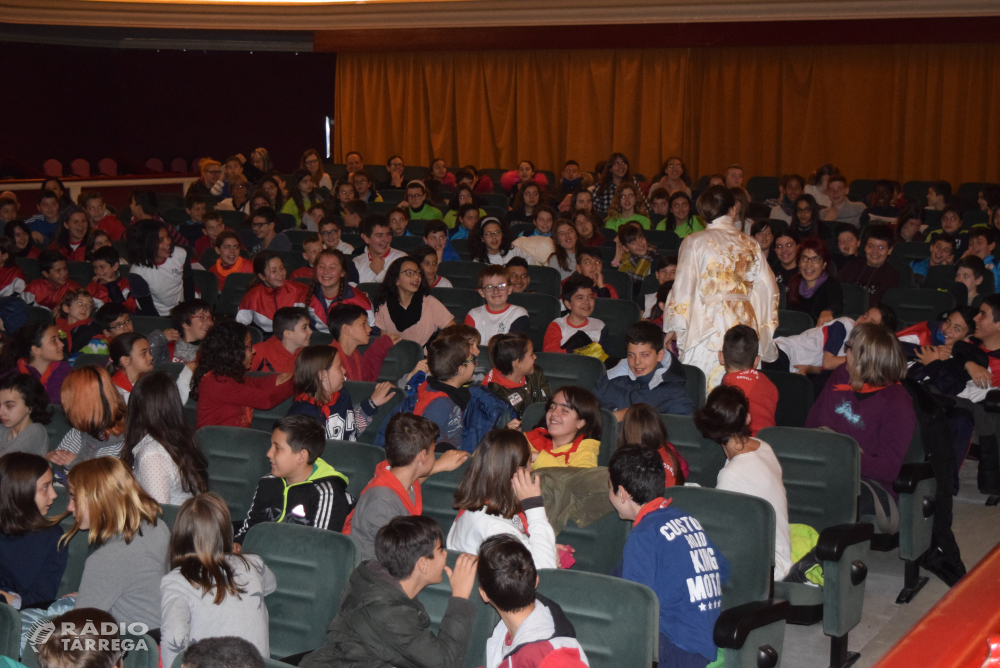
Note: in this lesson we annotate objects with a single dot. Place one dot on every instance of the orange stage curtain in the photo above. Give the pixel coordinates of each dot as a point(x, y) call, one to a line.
point(908, 112)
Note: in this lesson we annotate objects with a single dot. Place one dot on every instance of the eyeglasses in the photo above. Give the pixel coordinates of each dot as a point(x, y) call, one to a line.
point(488, 235)
point(329, 233)
point(815, 259)
point(215, 171)
point(495, 288)
point(258, 226)
point(395, 164)
point(410, 273)
point(204, 316)
point(127, 322)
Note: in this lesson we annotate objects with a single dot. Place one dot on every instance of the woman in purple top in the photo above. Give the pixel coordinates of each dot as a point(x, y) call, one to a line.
point(864, 400)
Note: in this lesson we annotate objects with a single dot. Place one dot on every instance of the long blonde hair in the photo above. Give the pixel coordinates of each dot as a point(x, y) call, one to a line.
point(615, 208)
point(116, 504)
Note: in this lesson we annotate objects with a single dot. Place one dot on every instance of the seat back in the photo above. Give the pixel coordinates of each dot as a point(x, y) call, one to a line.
point(355, 460)
point(207, 284)
point(821, 471)
point(57, 427)
point(81, 272)
point(795, 398)
point(407, 244)
point(763, 187)
point(742, 528)
point(435, 600)
point(855, 300)
point(913, 305)
point(78, 551)
point(30, 268)
point(598, 545)
point(458, 301)
point(618, 315)
point(545, 280)
point(169, 515)
point(791, 323)
point(562, 369)
point(312, 568)
point(705, 458)
point(695, 384)
point(237, 460)
point(542, 309)
point(87, 359)
point(232, 293)
point(147, 324)
point(461, 274)
point(621, 282)
point(360, 390)
point(10, 632)
point(616, 621)
point(400, 360)
point(939, 277)
point(439, 496)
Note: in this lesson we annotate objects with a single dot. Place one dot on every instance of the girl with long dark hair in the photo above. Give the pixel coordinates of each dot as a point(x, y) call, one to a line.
point(404, 305)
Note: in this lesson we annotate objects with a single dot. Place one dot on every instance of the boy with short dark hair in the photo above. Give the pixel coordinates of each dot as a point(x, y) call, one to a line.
point(330, 233)
point(848, 243)
point(649, 375)
point(589, 263)
point(970, 272)
point(873, 272)
point(416, 197)
point(301, 488)
point(634, 256)
point(942, 254)
point(213, 226)
point(496, 316)
point(350, 330)
point(109, 286)
point(193, 228)
point(290, 334)
point(45, 224)
point(381, 622)
point(352, 213)
point(311, 246)
point(520, 279)
point(687, 575)
point(373, 263)
point(530, 624)
point(222, 652)
point(110, 320)
point(395, 489)
point(8, 210)
point(436, 236)
point(191, 319)
point(982, 244)
point(100, 218)
point(49, 290)
point(740, 359)
point(577, 331)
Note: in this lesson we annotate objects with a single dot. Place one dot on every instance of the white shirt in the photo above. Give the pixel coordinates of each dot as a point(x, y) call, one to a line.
point(473, 527)
point(777, 213)
point(488, 322)
point(363, 263)
point(758, 473)
point(157, 473)
point(504, 259)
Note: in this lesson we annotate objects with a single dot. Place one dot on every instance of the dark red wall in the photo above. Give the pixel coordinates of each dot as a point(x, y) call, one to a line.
point(93, 103)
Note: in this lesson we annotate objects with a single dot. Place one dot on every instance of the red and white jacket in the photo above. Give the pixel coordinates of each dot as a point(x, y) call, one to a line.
point(488, 322)
point(42, 292)
point(545, 639)
point(112, 293)
point(260, 302)
point(319, 307)
point(12, 281)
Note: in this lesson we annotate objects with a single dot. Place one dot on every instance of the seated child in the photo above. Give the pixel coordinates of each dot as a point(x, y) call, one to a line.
point(196, 209)
point(520, 280)
point(321, 395)
point(80, 638)
point(348, 324)
point(353, 213)
point(496, 316)
point(109, 286)
point(514, 376)
point(633, 255)
point(12, 280)
point(529, 623)
point(380, 615)
point(577, 332)
point(214, 226)
point(110, 321)
point(467, 216)
point(848, 243)
point(427, 257)
point(332, 287)
point(228, 245)
point(499, 495)
point(751, 465)
point(666, 270)
point(822, 348)
point(648, 375)
point(49, 290)
point(291, 334)
point(687, 581)
point(473, 338)
point(971, 272)
point(24, 412)
point(570, 434)
point(269, 291)
point(642, 426)
point(395, 489)
point(982, 244)
point(224, 652)
point(436, 236)
point(330, 234)
point(100, 218)
point(73, 319)
point(590, 264)
point(301, 488)
point(942, 254)
point(311, 247)
point(740, 359)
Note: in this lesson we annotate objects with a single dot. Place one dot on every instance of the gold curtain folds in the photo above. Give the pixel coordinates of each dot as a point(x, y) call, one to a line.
point(900, 111)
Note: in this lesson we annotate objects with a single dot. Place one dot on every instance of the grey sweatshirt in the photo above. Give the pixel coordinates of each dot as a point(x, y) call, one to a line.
point(33, 439)
point(125, 579)
point(190, 615)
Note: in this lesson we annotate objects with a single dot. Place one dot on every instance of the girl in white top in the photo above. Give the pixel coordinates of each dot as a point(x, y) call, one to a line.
point(490, 242)
point(159, 443)
point(211, 592)
point(131, 359)
point(751, 467)
point(499, 495)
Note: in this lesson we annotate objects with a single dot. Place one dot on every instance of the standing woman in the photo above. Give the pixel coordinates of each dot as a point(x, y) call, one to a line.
point(160, 276)
point(813, 290)
point(404, 306)
point(586, 225)
point(616, 171)
point(680, 217)
point(159, 444)
point(312, 163)
point(567, 246)
point(627, 206)
point(122, 575)
point(673, 178)
point(37, 350)
point(301, 197)
point(739, 289)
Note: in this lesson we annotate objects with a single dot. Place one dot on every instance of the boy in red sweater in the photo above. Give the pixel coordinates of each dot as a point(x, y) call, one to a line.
point(109, 286)
point(350, 330)
point(310, 249)
point(740, 359)
point(49, 290)
point(291, 334)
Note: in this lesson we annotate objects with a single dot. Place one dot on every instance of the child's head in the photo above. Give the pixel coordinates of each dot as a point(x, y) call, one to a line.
point(543, 218)
point(725, 415)
point(636, 478)
point(82, 638)
point(589, 262)
point(23, 400)
point(26, 493)
point(410, 439)
point(494, 286)
point(297, 441)
point(970, 272)
point(942, 249)
point(106, 263)
point(222, 652)
point(467, 332)
point(513, 354)
point(487, 481)
point(578, 296)
point(113, 320)
point(269, 269)
point(658, 201)
point(93, 202)
point(412, 546)
point(398, 219)
point(263, 222)
point(200, 539)
point(226, 352)
point(436, 234)
point(982, 241)
point(572, 412)
point(228, 245)
point(291, 325)
point(48, 204)
point(506, 572)
point(848, 240)
point(353, 213)
point(958, 325)
point(195, 206)
point(329, 233)
point(130, 353)
point(416, 193)
point(666, 269)
point(318, 373)
point(37, 342)
point(76, 305)
point(377, 234)
point(53, 266)
point(642, 426)
point(8, 209)
point(192, 318)
point(349, 321)
point(213, 225)
point(633, 238)
point(517, 270)
point(448, 359)
point(645, 348)
point(106, 499)
point(739, 349)
point(427, 258)
point(951, 219)
point(467, 216)
point(878, 244)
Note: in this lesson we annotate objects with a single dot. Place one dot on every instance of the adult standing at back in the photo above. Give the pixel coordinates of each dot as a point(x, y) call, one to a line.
point(722, 280)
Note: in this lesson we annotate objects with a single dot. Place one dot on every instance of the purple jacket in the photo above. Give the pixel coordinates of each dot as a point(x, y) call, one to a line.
point(882, 424)
point(53, 386)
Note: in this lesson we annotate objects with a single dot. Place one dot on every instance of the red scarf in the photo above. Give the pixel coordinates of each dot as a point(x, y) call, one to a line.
point(22, 366)
point(385, 478)
point(122, 381)
point(865, 389)
point(323, 408)
point(656, 504)
point(542, 442)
